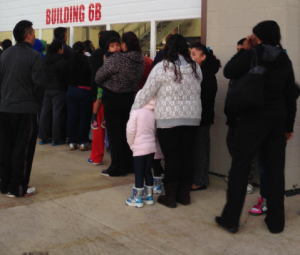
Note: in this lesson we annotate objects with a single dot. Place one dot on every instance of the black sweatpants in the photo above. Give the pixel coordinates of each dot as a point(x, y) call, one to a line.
point(256, 132)
point(116, 112)
point(52, 115)
point(177, 146)
point(18, 133)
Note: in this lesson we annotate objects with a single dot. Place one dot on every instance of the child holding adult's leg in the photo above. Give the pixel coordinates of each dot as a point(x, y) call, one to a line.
point(141, 139)
point(112, 45)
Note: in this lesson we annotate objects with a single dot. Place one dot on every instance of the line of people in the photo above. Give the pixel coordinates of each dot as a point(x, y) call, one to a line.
point(149, 110)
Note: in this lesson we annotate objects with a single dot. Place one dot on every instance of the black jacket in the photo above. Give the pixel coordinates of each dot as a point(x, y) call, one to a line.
point(53, 64)
point(67, 49)
point(76, 71)
point(280, 90)
point(159, 57)
point(22, 79)
point(209, 88)
point(96, 60)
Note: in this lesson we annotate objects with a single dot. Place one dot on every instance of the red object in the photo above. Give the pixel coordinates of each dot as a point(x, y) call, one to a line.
point(147, 70)
point(98, 139)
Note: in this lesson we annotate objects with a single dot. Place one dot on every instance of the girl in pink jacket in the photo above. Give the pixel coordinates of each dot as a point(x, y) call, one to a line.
point(142, 141)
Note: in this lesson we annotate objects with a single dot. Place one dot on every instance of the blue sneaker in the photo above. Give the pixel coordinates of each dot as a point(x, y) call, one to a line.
point(136, 199)
point(148, 195)
point(90, 161)
point(43, 142)
point(157, 185)
point(57, 143)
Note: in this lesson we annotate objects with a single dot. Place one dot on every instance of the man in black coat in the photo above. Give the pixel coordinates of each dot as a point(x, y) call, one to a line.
point(22, 84)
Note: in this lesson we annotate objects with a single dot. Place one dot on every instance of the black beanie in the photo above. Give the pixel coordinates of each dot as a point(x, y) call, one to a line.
point(268, 31)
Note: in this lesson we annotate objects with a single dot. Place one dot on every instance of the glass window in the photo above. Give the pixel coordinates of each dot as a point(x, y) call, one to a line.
point(142, 31)
point(48, 35)
point(37, 33)
point(88, 33)
point(190, 29)
point(5, 35)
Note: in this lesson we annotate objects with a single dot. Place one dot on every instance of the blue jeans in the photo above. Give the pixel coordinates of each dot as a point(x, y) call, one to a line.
point(80, 108)
point(262, 175)
point(142, 170)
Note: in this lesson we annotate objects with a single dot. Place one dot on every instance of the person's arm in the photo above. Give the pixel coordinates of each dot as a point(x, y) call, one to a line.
point(290, 94)
point(111, 66)
point(131, 128)
point(151, 87)
point(38, 77)
point(239, 64)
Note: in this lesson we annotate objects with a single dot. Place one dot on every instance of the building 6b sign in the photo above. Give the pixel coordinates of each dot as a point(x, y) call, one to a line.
point(73, 14)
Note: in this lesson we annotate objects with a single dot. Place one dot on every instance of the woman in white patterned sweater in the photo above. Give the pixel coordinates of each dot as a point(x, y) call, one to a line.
point(176, 84)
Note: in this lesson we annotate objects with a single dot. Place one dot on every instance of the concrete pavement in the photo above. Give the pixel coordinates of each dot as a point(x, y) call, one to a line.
point(78, 211)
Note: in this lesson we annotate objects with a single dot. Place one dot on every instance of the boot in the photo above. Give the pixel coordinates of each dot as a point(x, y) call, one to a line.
point(183, 196)
point(148, 195)
point(157, 185)
point(169, 199)
point(136, 199)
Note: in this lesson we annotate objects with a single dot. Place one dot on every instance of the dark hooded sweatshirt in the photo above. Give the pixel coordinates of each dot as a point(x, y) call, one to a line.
point(96, 60)
point(122, 72)
point(209, 89)
point(280, 90)
point(54, 63)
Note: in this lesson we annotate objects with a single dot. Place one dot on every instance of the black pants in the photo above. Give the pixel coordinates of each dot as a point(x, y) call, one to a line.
point(177, 146)
point(142, 170)
point(230, 146)
point(256, 132)
point(157, 168)
point(116, 112)
point(201, 154)
point(80, 109)
point(52, 115)
point(18, 132)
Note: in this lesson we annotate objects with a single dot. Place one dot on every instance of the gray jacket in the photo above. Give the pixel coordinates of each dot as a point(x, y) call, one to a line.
point(22, 79)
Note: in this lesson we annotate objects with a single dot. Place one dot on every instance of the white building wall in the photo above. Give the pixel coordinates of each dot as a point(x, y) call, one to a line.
point(227, 22)
point(112, 11)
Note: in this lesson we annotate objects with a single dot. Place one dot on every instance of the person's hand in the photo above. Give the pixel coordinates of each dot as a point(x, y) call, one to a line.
point(288, 136)
point(246, 44)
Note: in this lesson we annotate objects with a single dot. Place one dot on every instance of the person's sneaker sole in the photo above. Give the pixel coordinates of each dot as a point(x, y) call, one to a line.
point(148, 202)
point(157, 192)
point(134, 205)
point(104, 174)
point(10, 196)
point(83, 149)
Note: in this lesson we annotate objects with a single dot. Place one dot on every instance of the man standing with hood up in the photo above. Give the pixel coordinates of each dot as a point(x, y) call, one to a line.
point(22, 84)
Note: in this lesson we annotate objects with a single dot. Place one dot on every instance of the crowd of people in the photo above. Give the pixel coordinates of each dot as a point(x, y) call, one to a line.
point(147, 111)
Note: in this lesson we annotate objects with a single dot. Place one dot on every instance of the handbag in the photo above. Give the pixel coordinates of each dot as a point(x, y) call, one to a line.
point(247, 92)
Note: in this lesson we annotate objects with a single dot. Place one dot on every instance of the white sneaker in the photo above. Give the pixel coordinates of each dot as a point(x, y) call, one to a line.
point(249, 189)
point(30, 191)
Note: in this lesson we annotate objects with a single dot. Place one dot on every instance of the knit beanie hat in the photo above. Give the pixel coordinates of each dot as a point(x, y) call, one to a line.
point(268, 31)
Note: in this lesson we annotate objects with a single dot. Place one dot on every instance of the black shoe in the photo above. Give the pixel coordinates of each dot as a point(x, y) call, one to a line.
point(105, 173)
point(219, 221)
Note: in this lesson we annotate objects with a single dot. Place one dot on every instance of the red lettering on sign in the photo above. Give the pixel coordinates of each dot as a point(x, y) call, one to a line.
point(48, 16)
point(53, 16)
point(60, 16)
point(81, 13)
point(57, 18)
point(98, 11)
point(91, 12)
point(71, 14)
point(66, 14)
point(75, 13)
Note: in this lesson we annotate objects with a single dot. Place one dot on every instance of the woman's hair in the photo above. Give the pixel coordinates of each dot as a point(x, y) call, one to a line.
point(89, 46)
point(207, 52)
point(77, 61)
point(131, 41)
point(54, 47)
point(175, 45)
point(78, 47)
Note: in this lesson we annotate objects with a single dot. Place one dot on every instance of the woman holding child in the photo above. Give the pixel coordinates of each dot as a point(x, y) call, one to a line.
point(119, 77)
